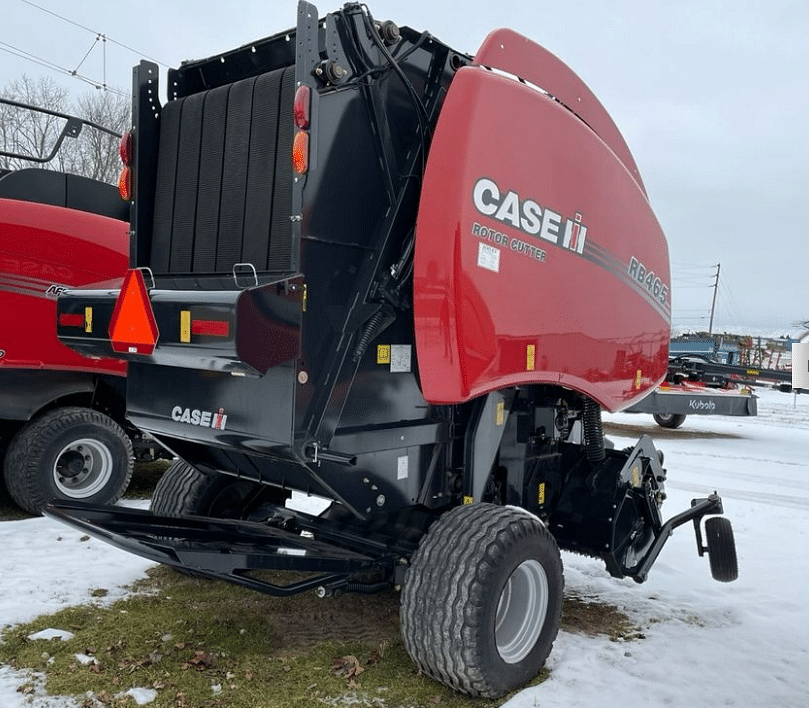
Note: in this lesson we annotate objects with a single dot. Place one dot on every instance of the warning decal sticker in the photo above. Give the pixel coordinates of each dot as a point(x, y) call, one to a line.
point(400, 355)
point(489, 257)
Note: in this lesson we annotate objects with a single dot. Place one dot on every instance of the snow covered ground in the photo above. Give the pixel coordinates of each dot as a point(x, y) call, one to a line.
point(743, 644)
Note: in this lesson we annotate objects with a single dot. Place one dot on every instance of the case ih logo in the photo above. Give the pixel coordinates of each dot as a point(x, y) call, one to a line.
point(527, 216)
point(204, 419)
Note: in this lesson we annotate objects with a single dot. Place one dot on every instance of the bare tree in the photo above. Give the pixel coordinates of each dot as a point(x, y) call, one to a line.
point(92, 153)
point(25, 132)
point(96, 154)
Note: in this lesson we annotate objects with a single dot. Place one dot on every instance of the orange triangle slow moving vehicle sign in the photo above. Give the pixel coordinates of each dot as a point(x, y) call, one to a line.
point(133, 329)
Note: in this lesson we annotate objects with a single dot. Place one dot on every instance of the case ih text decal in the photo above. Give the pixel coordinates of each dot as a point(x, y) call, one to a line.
point(530, 218)
point(527, 216)
point(205, 419)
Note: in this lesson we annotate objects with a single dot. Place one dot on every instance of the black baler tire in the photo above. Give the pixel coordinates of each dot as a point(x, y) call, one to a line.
point(29, 466)
point(721, 549)
point(184, 490)
point(669, 420)
point(452, 589)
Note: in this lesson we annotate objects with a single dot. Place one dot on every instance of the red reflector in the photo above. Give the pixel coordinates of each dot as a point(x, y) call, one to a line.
point(210, 328)
point(125, 148)
point(300, 152)
point(300, 107)
point(69, 320)
point(133, 329)
point(125, 184)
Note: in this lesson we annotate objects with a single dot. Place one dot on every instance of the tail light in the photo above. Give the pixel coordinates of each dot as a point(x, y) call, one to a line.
point(301, 107)
point(301, 114)
point(205, 328)
point(125, 150)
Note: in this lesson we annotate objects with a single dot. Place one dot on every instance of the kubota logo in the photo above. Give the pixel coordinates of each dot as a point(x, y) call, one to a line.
point(528, 216)
point(205, 419)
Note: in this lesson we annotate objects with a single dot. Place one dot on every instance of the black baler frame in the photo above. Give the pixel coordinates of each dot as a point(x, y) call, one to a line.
point(333, 553)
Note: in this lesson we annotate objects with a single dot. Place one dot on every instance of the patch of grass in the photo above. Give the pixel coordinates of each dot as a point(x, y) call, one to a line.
point(591, 617)
point(647, 426)
point(145, 478)
point(206, 644)
point(9, 511)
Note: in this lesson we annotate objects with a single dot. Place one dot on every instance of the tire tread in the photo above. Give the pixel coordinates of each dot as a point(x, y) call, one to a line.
point(445, 590)
point(24, 457)
point(721, 549)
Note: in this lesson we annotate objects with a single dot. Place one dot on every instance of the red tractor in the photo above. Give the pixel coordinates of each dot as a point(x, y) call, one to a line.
point(63, 430)
point(371, 268)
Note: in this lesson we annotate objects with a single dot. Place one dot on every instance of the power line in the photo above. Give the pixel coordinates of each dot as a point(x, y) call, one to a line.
point(64, 19)
point(692, 266)
point(99, 37)
point(92, 31)
point(20, 54)
point(28, 56)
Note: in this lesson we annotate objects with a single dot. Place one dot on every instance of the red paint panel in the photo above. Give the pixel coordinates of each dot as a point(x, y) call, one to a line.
point(509, 51)
point(45, 249)
point(538, 258)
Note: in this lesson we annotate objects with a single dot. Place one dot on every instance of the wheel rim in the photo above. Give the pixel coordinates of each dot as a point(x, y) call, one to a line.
point(82, 468)
point(521, 611)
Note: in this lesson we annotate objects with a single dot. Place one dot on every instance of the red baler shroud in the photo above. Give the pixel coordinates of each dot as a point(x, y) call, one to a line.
point(538, 258)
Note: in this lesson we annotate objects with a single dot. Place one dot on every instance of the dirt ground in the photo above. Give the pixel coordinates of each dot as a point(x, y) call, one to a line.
point(658, 433)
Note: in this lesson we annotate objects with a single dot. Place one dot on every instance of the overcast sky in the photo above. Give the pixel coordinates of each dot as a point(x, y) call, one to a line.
point(712, 98)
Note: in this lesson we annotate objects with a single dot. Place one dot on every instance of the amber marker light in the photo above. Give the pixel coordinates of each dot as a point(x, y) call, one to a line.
point(300, 153)
point(125, 184)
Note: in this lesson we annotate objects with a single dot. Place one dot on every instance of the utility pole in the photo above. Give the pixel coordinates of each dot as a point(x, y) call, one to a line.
point(713, 304)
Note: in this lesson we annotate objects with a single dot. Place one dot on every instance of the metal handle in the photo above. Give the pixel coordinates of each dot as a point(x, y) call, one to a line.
point(244, 265)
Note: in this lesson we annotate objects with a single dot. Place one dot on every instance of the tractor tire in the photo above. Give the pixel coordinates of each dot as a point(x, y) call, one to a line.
point(69, 454)
point(184, 490)
point(721, 549)
point(669, 420)
point(482, 599)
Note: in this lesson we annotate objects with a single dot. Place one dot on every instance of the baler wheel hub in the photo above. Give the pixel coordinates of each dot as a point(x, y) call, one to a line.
point(82, 468)
point(521, 611)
